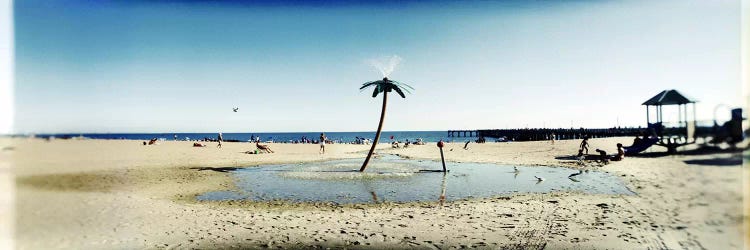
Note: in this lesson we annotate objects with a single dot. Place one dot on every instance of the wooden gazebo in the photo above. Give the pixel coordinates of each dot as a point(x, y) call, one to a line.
point(675, 135)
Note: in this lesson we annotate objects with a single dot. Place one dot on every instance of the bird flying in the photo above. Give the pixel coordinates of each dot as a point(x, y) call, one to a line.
point(235, 109)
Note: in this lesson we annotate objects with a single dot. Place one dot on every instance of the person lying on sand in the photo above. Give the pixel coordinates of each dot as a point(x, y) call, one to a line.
point(620, 154)
point(419, 142)
point(602, 156)
point(263, 148)
point(195, 144)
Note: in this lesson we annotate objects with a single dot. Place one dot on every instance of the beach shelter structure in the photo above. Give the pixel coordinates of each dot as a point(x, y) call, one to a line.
point(671, 135)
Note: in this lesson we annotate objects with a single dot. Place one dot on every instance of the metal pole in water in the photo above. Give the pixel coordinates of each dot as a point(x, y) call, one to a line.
point(440, 145)
point(442, 159)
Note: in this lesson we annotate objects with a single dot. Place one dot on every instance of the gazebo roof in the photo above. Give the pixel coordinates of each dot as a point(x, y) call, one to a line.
point(668, 97)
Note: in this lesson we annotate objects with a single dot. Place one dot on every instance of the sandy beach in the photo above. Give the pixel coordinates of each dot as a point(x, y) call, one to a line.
point(101, 194)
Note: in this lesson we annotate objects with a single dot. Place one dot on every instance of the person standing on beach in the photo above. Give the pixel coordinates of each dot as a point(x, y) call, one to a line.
point(585, 144)
point(219, 139)
point(552, 138)
point(322, 143)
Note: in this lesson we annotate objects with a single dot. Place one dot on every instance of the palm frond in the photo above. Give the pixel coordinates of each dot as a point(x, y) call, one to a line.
point(387, 86)
point(398, 90)
point(404, 87)
point(368, 84)
point(401, 84)
point(375, 91)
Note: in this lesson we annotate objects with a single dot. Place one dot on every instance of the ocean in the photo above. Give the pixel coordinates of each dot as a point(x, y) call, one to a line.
point(339, 137)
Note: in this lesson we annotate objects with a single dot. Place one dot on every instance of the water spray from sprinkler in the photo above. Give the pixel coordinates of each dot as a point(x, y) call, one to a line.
point(386, 64)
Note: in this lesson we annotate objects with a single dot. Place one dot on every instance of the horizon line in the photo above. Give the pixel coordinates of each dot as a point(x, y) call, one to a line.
point(373, 131)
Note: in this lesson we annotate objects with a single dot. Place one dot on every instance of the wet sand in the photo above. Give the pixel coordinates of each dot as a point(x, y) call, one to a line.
point(121, 194)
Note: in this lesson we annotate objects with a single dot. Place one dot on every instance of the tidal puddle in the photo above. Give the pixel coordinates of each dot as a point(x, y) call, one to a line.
point(394, 179)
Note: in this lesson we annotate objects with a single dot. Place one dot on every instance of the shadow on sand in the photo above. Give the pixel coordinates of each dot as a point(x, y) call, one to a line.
point(222, 169)
point(575, 158)
point(732, 161)
point(701, 150)
point(726, 161)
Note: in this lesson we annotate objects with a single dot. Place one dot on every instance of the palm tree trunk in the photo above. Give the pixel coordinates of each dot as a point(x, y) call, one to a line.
point(377, 134)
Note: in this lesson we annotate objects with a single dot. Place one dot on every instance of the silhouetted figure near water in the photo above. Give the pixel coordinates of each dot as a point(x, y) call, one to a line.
point(585, 144)
point(552, 138)
point(323, 143)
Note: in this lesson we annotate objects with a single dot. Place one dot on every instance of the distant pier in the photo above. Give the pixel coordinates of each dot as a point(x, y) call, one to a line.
point(540, 134)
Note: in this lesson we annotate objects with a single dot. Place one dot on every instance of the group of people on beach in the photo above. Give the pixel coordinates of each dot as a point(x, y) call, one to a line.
point(583, 148)
point(396, 144)
point(603, 156)
point(220, 140)
point(322, 141)
point(305, 140)
point(361, 141)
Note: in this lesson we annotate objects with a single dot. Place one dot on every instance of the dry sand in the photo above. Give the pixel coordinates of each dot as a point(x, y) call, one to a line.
point(120, 194)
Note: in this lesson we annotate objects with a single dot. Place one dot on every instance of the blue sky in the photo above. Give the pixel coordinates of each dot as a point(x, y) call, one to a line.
point(180, 66)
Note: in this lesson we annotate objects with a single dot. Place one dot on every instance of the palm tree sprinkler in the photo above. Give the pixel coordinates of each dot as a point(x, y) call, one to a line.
point(382, 86)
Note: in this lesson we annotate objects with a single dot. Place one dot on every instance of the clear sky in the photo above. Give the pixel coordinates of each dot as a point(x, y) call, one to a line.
point(180, 66)
point(6, 64)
